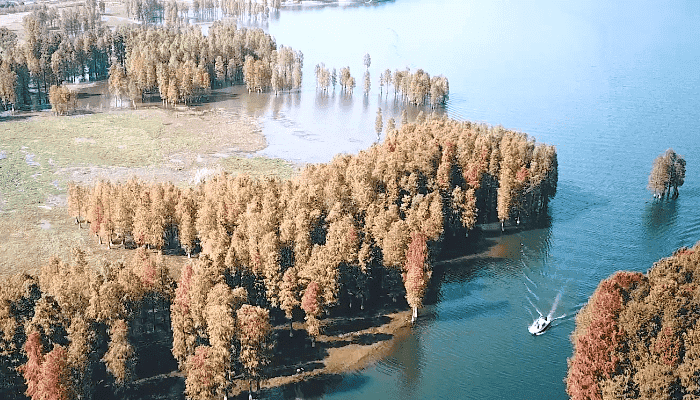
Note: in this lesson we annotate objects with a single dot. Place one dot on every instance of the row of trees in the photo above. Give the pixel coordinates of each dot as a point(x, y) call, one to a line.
point(281, 71)
point(77, 324)
point(667, 171)
point(180, 65)
point(415, 88)
point(638, 337)
point(173, 13)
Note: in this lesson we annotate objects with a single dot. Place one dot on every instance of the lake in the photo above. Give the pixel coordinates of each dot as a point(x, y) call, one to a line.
point(611, 84)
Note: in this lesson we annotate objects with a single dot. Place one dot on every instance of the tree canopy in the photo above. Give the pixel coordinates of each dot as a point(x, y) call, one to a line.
point(637, 337)
point(667, 171)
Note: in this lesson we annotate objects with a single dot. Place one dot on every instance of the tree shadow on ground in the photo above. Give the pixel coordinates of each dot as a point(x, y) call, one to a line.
point(296, 352)
point(364, 339)
point(85, 95)
point(340, 326)
point(15, 117)
point(170, 386)
point(313, 387)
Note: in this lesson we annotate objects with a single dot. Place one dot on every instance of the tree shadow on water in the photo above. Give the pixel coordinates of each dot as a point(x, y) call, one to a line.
point(659, 216)
point(312, 388)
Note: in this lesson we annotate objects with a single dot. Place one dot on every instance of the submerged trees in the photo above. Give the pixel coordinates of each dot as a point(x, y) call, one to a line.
point(668, 171)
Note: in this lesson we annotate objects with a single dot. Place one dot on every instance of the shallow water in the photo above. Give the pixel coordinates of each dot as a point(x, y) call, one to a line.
point(611, 85)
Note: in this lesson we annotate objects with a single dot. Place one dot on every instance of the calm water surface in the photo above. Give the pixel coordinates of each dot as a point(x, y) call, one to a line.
point(612, 86)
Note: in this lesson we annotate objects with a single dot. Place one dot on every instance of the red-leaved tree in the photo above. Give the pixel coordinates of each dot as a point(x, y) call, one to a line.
point(594, 348)
point(55, 375)
point(311, 305)
point(416, 274)
point(32, 369)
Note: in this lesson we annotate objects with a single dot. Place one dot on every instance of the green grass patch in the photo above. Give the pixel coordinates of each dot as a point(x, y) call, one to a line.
point(26, 179)
point(259, 167)
point(120, 139)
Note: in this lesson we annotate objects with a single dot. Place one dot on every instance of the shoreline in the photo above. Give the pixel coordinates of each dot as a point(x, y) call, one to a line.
point(353, 356)
point(348, 350)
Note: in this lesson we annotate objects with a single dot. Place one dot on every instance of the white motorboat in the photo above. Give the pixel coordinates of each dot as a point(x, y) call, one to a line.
point(540, 325)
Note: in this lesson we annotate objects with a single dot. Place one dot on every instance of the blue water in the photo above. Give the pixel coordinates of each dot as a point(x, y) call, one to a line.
point(611, 85)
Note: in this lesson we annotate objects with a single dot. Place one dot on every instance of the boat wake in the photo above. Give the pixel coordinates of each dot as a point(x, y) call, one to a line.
point(541, 279)
point(544, 322)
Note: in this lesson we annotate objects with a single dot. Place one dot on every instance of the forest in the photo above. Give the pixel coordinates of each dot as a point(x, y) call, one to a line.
point(342, 237)
point(171, 61)
point(638, 336)
point(175, 62)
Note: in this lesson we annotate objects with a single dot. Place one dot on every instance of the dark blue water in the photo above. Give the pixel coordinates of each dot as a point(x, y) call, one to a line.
point(611, 85)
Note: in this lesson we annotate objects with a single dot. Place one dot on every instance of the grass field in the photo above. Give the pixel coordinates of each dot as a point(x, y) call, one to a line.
point(40, 153)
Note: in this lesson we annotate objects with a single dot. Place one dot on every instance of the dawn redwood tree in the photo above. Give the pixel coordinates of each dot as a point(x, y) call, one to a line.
point(96, 209)
point(123, 215)
point(8, 84)
point(668, 171)
point(142, 218)
point(32, 368)
point(367, 83)
point(119, 358)
point(221, 330)
point(62, 99)
point(81, 341)
point(48, 320)
point(378, 123)
point(200, 383)
point(182, 322)
point(311, 305)
point(254, 331)
point(390, 125)
point(117, 83)
point(55, 383)
point(416, 272)
point(289, 299)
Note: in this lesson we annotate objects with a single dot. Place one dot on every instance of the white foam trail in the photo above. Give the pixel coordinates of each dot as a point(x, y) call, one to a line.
point(531, 292)
point(554, 306)
point(534, 306)
point(530, 280)
point(529, 312)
